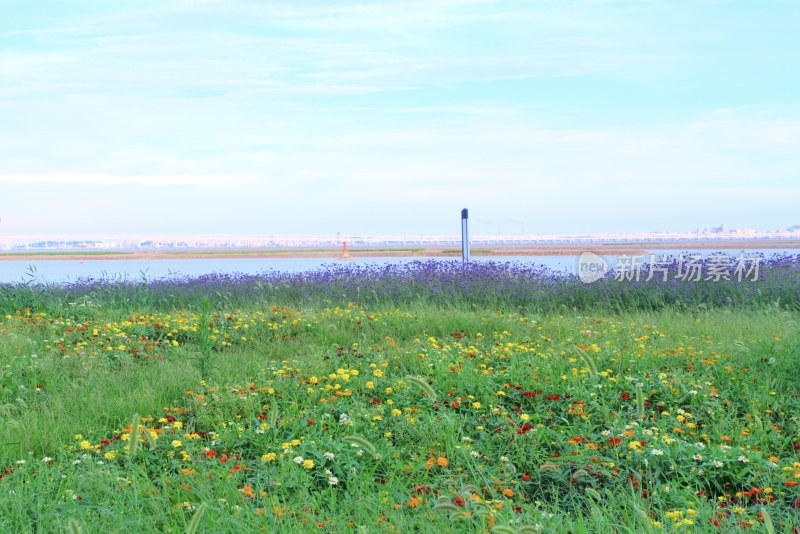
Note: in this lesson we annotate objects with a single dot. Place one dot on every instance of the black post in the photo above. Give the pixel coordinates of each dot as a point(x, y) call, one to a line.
point(464, 235)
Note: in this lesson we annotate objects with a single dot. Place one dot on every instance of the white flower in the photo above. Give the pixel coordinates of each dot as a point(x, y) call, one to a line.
point(743, 459)
point(332, 481)
point(657, 452)
point(20, 462)
point(698, 457)
point(475, 454)
point(504, 458)
point(47, 459)
point(717, 463)
point(298, 459)
point(329, 455)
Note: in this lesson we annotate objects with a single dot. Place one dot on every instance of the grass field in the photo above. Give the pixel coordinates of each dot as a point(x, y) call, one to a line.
point(430, 399)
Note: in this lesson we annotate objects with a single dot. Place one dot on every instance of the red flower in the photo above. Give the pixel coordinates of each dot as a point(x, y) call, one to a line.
point(310, 421)
point(624, 396)
point(524, 429)
point(459, 501)
point(420, 489)
point(526, 477)
point(553, 397)
point(614, 441)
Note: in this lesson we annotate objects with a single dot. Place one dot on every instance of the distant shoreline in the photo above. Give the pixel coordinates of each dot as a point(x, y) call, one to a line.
point(408, 252)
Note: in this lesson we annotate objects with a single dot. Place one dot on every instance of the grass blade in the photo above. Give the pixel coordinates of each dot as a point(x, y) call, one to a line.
point(194, 523)
point(423, 385)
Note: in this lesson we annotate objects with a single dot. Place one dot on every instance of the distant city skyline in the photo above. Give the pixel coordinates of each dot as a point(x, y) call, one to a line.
point(386, 117)
point(89, 241)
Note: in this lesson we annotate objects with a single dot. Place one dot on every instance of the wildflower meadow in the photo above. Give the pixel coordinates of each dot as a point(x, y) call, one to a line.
point(422, 397)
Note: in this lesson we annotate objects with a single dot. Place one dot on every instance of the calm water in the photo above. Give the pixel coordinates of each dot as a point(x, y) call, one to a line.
point(69, 270)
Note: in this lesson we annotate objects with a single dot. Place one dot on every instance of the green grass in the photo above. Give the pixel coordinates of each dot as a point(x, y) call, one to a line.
point(415, 418)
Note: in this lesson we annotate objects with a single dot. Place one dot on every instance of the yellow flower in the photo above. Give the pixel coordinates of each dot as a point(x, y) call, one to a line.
point(269, 457)
point(176, 443)
point(85, 445)
point(110, 455)
point(308, 464)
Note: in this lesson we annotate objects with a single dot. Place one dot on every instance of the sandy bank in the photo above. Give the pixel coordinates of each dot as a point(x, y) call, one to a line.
point(449, 251)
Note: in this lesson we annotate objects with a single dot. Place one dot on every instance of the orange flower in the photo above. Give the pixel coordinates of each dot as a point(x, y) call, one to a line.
point(790, 483)
point(414, 502)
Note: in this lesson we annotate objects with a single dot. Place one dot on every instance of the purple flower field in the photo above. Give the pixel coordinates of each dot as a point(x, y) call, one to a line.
point(706, 282)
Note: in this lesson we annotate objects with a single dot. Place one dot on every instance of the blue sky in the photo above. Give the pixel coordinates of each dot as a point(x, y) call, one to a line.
point(388, 117)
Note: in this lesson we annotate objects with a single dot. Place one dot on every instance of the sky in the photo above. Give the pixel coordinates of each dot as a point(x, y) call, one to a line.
point(387, 117)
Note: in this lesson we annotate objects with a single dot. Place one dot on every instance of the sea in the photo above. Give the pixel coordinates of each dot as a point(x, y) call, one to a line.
point(66, 271)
